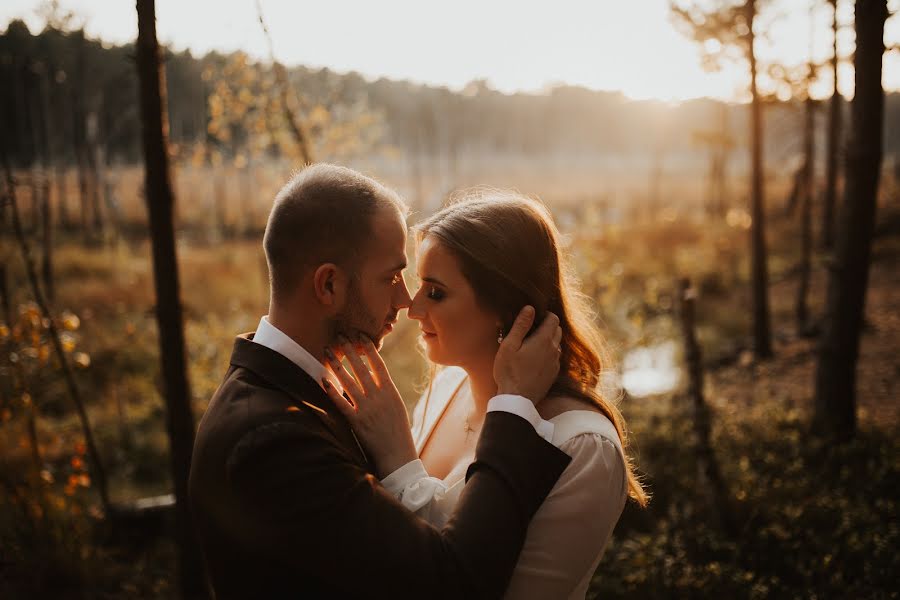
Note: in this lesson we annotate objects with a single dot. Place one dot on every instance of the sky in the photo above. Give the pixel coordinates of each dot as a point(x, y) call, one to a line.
point(630, 46)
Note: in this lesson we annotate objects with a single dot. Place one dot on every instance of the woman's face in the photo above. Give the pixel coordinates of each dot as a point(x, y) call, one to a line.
point(456, 330)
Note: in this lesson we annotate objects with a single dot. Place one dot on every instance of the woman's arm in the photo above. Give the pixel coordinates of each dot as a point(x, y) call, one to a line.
point(570, 531)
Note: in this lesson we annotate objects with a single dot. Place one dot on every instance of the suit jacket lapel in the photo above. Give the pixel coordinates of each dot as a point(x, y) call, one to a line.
point(298, 384)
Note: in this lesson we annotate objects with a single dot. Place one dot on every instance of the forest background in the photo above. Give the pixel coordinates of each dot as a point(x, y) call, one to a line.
point(760, 488)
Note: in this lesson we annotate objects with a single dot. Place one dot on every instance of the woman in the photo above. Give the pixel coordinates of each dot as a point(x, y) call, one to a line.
point(480, 261)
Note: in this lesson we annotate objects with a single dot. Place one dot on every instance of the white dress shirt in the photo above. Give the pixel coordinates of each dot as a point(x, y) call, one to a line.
point(412, 472)
point(274, 339)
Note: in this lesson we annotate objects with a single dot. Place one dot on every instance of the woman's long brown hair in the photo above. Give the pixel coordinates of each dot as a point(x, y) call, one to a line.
point(510, 253)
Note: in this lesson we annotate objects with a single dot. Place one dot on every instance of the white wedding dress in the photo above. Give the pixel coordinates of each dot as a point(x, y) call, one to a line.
point(567, 536)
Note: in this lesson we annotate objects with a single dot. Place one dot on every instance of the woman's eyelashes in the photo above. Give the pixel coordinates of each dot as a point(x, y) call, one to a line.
point(434, 293)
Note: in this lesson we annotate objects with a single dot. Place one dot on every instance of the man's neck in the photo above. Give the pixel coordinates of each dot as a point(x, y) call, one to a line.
point(310, 335)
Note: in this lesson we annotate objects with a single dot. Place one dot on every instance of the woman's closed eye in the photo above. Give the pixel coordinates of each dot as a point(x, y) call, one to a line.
point(434, 293)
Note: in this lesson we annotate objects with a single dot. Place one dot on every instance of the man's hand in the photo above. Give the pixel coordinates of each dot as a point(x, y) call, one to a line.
point(529, 367)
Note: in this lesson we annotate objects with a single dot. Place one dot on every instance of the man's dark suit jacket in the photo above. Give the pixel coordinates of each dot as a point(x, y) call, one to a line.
point(287, 505)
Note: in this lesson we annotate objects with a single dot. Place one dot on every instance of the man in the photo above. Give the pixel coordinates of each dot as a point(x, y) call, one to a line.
point(286, 502)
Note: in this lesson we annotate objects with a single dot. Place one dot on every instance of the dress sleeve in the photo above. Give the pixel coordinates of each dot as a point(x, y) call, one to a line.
point(569, 533)
point(426, 496)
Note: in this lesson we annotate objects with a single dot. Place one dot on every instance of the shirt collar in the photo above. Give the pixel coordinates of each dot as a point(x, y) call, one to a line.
point(273, 338)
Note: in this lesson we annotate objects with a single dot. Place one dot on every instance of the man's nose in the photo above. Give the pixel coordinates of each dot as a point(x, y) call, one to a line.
point(401, 297)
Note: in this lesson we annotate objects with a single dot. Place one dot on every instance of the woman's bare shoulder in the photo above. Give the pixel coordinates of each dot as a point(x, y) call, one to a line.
point(557, 405)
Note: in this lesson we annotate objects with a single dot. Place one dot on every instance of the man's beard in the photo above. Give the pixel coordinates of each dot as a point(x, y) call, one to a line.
point(354, 320)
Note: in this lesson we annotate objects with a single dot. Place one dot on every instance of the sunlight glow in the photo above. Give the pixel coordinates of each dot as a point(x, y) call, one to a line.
point(631, 47)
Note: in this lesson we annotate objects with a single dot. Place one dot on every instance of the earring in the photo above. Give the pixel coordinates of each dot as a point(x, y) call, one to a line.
point(500, 337)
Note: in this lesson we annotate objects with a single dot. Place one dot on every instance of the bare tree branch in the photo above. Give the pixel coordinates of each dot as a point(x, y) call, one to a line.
point(297, 126)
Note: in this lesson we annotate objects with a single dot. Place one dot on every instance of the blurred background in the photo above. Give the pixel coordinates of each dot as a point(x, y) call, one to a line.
point(710, 164)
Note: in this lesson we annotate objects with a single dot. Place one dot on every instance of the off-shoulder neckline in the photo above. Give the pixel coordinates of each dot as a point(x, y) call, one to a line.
point(567, 425)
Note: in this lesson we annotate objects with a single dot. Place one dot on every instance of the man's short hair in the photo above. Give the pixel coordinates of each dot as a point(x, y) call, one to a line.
point(323, 214)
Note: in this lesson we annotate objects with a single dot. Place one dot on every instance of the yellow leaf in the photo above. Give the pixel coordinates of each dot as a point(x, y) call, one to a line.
point(67, 340)
point(70, 321)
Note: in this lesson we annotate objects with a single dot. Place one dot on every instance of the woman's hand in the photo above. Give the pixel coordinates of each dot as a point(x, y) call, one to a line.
point(375, 410)
point(528, 367)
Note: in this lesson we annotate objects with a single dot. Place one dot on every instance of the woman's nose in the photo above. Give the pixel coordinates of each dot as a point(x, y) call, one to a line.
point(416, 308)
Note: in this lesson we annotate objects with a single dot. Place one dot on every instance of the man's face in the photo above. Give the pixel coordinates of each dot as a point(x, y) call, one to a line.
point(378, 292)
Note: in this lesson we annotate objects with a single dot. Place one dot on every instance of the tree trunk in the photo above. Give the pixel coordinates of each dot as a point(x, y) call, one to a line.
point(95, 161)
point(220, 210)
point(62, 206)
point(801, 309)
point(160, 204)
point(34, 119)
point(47, 157)
point(47, 242)
point(762, 336)
point(246, 199)
point(790, 207)
point(61, 115)
point(81, 168)
point(5, 302)
point(722, 171)
point(707, 465)
point(18, 142)
point(835, 387)
point(111, 205)
point(832, 148)
point(80, 139)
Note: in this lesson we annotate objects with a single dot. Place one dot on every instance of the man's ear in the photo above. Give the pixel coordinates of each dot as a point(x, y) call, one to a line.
point(330, 284)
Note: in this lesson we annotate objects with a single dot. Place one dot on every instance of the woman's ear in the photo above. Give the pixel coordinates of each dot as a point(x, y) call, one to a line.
point(330, 285)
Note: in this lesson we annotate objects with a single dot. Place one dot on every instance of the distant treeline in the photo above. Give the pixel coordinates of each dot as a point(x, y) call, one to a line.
point(62, 91)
